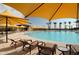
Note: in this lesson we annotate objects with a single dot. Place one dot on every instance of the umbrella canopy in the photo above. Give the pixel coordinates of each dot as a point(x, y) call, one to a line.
point(12, 20)
point(3, 25)
point(46, 10)
point(7, 19)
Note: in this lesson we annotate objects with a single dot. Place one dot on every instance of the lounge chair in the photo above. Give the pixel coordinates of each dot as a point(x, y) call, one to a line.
point(24, 43)
point(14, 43)
point(28, 44)
point(46, 49)
point(74, 49)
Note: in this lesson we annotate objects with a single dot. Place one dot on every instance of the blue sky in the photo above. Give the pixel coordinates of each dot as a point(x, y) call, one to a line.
point(12, 10)
point(38, 21)
point(42, 22)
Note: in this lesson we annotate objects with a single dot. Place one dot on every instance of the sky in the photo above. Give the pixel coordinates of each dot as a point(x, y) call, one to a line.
point(42, 22)
point(37, 21)
point(12, 10)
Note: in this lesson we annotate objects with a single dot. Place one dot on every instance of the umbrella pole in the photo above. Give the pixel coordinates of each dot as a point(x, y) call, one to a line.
point(6, 29)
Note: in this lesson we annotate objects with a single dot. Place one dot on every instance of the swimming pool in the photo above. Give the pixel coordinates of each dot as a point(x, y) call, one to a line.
point(67, 37)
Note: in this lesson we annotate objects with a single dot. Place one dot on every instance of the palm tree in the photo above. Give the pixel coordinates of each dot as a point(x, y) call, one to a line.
point(77, 24)
point(65, 24)
point(49, 25)
point(54, 25)
point(60, 25)
point(69, 24)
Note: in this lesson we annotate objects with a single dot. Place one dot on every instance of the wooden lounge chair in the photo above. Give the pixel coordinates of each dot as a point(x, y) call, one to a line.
point(28, 44)
point(14, 43)
point(46, 49)
point(24, 43)
point(74, 49)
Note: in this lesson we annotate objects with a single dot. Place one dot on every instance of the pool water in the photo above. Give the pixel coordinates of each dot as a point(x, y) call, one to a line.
point(68, 37)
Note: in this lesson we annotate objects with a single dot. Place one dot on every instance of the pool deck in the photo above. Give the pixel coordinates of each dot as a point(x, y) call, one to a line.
point(5, 48)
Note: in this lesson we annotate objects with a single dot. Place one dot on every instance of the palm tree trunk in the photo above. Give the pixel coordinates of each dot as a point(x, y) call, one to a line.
point(60, 25)
point(49, 25)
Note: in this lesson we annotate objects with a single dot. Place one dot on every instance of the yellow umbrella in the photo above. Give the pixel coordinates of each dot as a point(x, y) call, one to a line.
point(4, 25)
point(46, 10)
point(7, 18)
point(20, 27)
point(12, 20)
